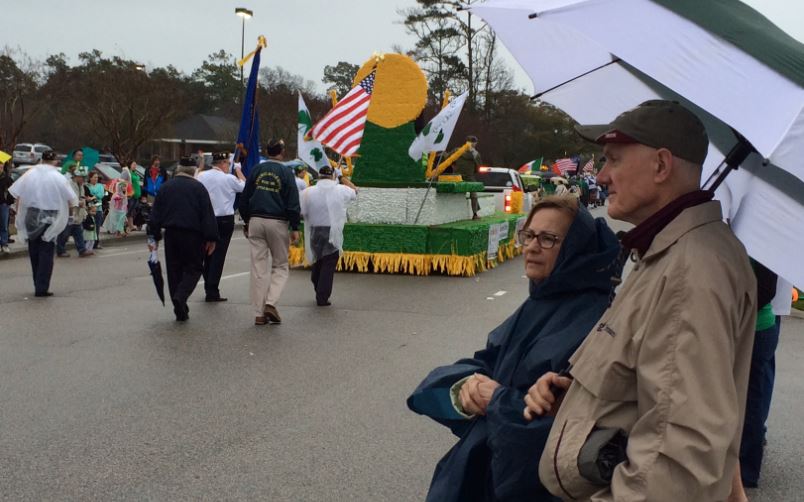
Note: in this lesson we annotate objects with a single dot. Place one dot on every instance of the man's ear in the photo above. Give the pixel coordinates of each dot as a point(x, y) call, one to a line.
point(664, 165)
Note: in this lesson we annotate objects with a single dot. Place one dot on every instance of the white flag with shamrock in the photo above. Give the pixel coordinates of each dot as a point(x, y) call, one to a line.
point(310, 151)
point(436, 134)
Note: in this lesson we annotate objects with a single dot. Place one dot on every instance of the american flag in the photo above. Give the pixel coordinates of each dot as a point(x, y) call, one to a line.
point(589, 167)
point(564, 165)
point(342, 128)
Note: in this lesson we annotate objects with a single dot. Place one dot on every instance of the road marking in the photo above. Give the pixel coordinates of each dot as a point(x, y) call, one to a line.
point(500, 293)
point(490, 298)
point(143, 252)
point(232, 276)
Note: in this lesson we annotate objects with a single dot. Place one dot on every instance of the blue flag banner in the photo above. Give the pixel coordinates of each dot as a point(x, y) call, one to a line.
point(248, 139)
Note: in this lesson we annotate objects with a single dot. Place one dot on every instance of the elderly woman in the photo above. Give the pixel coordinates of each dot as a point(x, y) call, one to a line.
point(569, 259)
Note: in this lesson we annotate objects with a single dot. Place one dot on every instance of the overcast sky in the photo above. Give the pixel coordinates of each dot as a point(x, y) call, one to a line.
point(303, 36)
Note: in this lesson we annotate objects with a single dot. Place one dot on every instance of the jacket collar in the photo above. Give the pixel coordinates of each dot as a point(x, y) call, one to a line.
point(689, 219)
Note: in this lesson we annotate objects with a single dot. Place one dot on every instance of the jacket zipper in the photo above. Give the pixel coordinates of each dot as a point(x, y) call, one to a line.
point(555, 463)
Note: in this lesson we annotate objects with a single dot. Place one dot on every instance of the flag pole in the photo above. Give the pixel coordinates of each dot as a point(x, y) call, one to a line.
point(429, 185)
point(431, 165)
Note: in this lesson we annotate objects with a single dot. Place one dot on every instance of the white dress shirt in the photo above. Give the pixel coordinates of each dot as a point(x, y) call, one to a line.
point(222, 189)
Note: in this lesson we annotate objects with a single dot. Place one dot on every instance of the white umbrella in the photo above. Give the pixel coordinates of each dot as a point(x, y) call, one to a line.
point(597, 58)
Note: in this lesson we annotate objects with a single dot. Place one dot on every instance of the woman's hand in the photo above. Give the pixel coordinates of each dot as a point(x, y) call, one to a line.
point(476, 394)
point(540, 399)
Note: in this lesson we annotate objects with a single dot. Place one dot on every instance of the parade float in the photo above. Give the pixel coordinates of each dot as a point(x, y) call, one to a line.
point(409, 218)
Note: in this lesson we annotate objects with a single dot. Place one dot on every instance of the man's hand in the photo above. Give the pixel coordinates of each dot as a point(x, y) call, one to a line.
point(209, 247)
point(294, 237)
point(476, 394)
point(540, 399)
point(347, 182)
point(153, 246)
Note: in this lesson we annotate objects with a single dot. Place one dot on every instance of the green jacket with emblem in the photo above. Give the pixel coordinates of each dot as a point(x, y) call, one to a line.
point(271, 193)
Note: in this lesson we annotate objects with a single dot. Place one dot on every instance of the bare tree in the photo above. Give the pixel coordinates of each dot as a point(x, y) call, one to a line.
point(115, 103)
point(456, 51)
point(18, 88)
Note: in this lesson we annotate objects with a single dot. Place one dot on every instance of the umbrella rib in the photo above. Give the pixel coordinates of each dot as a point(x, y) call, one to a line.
point(537, 96)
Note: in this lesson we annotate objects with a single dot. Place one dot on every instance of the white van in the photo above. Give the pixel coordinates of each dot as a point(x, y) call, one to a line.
point(28, 153)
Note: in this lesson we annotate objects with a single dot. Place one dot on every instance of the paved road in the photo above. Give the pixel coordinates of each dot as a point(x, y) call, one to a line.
point(104, 397)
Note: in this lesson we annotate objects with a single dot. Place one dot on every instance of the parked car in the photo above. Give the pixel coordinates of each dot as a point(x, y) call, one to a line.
point(501, 182)
point(18, 171)
point(28, 153)
point(107, 172)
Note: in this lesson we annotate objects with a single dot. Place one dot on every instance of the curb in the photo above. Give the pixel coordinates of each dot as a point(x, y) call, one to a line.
point(797, 313)
point(137, 237)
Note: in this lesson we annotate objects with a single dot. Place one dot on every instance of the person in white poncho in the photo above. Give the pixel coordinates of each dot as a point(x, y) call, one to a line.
point(323, 207)
point(44, 202)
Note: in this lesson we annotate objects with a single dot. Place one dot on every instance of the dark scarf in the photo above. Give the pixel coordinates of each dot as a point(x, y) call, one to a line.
point(641, 236)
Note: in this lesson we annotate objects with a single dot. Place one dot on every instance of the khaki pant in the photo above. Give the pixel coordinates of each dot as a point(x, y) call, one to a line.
point(269, 241)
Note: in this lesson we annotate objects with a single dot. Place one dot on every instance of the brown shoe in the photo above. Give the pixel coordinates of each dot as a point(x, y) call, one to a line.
point(272, 314)
point(260, 321)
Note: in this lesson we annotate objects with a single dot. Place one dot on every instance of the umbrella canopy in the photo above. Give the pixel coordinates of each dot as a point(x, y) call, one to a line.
point(721, 59)
point(4, 157)
point(91, 156)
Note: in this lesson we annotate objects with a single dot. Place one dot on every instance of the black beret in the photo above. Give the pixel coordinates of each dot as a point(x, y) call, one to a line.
point(187, 162)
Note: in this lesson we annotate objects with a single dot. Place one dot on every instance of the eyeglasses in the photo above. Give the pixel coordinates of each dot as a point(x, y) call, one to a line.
point(546, 240)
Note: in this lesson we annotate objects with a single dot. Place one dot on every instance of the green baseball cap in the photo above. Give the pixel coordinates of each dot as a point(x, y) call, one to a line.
point(656, 123)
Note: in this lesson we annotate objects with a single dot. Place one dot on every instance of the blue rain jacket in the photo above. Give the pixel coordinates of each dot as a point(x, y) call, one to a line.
point(497, 455)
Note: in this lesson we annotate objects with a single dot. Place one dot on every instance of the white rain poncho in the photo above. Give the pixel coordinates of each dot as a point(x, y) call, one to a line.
point(324, 209)
point(45, 198)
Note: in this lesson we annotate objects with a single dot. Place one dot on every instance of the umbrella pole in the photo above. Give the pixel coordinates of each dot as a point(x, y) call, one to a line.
point(735, 157)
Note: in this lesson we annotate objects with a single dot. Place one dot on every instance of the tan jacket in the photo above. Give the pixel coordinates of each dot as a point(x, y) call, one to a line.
point(668, 363)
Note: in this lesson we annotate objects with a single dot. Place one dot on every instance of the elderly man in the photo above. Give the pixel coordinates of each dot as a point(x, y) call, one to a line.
point(223, 187)
point(323, 207)
point(269, 205)
point(44, 198)
point(658, 387)
point(466, 166)
point(183, 208)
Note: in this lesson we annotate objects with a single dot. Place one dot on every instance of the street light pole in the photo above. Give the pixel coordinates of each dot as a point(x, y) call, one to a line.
point(244, 14)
